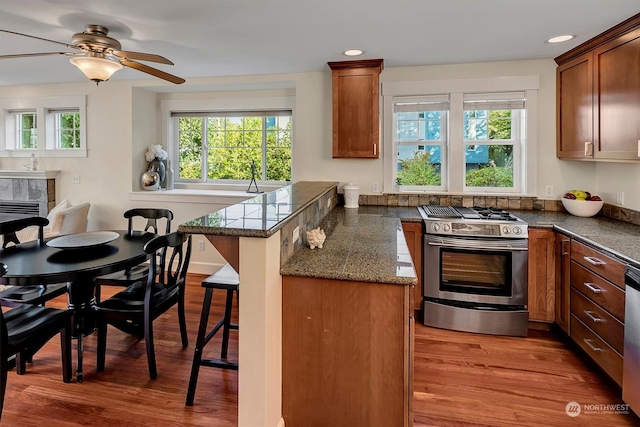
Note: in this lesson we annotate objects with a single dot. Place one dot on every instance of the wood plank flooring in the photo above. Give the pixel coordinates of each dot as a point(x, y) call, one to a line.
point(460, 380)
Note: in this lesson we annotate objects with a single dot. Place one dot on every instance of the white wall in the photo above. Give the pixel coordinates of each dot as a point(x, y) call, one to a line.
point(123, 118)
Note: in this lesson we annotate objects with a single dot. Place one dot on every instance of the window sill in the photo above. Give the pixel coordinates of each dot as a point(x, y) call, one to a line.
point(70, 152)
point(191, 196)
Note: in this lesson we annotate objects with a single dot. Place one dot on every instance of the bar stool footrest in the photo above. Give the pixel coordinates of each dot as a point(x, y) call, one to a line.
point(217, 363)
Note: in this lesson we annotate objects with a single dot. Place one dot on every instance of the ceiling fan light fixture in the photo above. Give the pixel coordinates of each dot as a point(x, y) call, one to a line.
point(96, 68)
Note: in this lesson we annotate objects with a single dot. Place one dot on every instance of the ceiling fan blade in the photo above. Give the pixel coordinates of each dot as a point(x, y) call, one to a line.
point(153, 71)
point(27, 55)
point(124, 54)
point(40, 38)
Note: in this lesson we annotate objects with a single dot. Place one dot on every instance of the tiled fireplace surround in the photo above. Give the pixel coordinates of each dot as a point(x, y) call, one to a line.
point(36, 190)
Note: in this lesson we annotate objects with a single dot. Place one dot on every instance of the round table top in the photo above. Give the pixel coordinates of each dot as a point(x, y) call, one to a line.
point(29, 263)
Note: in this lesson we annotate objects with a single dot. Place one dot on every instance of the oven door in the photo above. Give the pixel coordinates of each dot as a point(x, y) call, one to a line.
point(476, 270)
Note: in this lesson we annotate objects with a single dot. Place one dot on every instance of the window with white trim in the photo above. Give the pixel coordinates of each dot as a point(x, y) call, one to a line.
point(467, 136)
point(47, 127)
point(492, 138)
point(420, 138)
point(230, 146)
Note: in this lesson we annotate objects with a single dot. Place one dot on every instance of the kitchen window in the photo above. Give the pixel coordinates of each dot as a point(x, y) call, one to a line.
point(46, 127)
point(474, 136)
point(231, 145)
point(215, 143)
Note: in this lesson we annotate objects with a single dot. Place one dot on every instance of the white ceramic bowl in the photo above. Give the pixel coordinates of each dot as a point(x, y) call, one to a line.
point(583, 208)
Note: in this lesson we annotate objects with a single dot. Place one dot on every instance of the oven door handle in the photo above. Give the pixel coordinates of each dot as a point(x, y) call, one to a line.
point(486, 248)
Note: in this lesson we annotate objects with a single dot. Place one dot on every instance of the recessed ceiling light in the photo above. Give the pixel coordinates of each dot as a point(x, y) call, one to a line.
point(353, 52)
point(560, 39)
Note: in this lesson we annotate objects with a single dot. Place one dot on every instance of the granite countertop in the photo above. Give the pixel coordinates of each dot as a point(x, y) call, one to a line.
point(262, 215)
point(365, 244)
point(619, 238)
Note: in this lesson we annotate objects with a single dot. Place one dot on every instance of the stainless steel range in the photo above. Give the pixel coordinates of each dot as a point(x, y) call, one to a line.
point(475, 270)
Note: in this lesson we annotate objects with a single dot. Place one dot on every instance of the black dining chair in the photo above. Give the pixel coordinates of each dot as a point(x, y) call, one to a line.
point(25, 329)
point(13, 296)
point(129, 276)
point(134, 309)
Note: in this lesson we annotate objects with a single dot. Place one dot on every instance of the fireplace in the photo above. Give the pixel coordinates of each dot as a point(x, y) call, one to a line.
point(27, 193)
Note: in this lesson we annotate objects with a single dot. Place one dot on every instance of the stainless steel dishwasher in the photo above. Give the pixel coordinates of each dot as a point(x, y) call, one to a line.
point(631, 368)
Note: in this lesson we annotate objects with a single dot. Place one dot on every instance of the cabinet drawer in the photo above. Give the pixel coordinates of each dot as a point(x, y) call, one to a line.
point(605, 356)
point(602, 323)
point(596, 261)
point(604, 293)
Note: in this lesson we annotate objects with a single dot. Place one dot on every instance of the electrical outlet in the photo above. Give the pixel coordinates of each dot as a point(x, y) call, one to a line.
point(329, 202)
point(620, 197)
point(296, 234)
point(201, 245)
point(548, 191)
point(75, 179)
point(375, 187)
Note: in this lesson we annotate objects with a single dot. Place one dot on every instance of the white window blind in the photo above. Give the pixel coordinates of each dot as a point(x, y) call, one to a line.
point(494, 101)
point(416, 104)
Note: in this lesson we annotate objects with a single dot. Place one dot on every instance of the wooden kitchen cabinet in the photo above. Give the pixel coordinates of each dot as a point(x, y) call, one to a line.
point(598, 307)
point(346, 353)
point(616, 81)
point(356, 111)
point(574, 127)
point(563, 282)
point(413, 233)
point(541, 275)
point(598, 96)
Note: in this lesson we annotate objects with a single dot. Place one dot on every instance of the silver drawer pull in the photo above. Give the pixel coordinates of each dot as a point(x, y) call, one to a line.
point(594, 288)
point(594, 260)
point(592, 317)
point(587, 341)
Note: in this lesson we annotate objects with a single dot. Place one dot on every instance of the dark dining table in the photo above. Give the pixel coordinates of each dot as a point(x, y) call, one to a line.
point(30, 264)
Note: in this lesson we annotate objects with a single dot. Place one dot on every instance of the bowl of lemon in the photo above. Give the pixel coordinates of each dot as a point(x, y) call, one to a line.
point(581, 203)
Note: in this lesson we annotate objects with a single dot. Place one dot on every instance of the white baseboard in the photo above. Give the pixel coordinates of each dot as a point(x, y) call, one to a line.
point(203, 267)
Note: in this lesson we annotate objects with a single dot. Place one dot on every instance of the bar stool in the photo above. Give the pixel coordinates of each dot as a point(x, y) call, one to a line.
point(227, 279)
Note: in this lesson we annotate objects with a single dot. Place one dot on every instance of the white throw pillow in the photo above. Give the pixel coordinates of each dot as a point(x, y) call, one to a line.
point(59, 207)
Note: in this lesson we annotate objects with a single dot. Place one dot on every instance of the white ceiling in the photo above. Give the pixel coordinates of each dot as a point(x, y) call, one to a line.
point(206, 38)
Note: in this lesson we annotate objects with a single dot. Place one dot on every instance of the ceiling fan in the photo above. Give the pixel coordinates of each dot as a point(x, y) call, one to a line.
point(101, 55)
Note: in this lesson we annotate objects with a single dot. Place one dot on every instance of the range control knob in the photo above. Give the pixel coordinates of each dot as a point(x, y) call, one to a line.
point(435, 227)
point(446, 227)
point(517, 230)
point(506, 230)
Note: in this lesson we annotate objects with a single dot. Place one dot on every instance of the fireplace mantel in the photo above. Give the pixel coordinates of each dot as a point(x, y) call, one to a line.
point(26, 174)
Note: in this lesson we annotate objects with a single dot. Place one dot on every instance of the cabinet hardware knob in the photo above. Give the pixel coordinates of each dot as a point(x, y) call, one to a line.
point(593, 288)
point(592, 317)
point(587, 341)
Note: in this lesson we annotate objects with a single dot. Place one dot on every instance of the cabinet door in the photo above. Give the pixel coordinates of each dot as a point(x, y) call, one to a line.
point(356, 124)
point(617, 95)
point(413, 235)
point(541, 275)
point(563, 282)
point(574, 86)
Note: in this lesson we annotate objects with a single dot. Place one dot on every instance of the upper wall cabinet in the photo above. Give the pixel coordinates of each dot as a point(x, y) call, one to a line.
point(356, 95)
point(598, 96)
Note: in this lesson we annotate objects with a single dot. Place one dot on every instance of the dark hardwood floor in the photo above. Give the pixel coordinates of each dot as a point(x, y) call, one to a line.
point(460, 380)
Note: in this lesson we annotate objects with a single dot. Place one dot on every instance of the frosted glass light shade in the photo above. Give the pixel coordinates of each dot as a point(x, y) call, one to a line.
point(96, 69)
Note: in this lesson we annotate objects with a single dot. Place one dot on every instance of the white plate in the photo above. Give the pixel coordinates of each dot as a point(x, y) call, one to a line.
point(83, 240)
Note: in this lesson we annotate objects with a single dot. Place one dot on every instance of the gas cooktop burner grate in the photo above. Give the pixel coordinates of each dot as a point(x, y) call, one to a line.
point(442, 211)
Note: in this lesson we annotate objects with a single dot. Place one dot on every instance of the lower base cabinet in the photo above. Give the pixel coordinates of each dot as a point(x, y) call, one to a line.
point(347, 353)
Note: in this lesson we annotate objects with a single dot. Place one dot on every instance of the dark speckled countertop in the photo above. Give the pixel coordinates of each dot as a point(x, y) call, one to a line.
point(364, 244)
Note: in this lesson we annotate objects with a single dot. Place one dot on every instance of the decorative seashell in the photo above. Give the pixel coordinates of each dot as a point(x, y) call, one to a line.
point(315, 238)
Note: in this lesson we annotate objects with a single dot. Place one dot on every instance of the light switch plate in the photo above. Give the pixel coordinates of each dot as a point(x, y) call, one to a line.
point(75, 179)
point(296, 234)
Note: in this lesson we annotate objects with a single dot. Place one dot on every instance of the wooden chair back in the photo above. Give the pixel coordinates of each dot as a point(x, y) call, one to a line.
point(152, 216)
point(8, 229)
